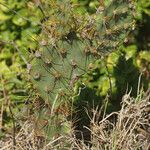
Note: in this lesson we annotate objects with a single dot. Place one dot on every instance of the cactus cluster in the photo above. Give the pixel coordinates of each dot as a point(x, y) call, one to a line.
point(70, 43)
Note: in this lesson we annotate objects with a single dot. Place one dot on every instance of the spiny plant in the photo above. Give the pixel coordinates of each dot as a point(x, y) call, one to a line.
point(70, 43)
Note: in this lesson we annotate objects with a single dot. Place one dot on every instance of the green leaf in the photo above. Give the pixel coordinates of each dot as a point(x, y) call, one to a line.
point(20, 18)
point(145, 55)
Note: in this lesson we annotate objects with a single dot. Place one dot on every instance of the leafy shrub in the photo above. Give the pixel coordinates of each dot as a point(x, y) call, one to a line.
point(18, 31)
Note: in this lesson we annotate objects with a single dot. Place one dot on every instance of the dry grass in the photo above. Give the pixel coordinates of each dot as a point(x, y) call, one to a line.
point(131, 131)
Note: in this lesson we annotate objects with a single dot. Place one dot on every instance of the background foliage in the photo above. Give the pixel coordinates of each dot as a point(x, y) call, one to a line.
point(18, 30)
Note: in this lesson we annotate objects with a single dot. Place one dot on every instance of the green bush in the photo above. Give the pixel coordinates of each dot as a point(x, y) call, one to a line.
point(18, 31)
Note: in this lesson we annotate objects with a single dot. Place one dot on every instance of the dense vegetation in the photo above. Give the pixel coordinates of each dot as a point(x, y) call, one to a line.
point(126, 68)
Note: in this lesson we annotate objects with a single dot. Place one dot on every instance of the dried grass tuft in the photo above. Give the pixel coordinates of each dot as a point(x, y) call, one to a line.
point(131, 131)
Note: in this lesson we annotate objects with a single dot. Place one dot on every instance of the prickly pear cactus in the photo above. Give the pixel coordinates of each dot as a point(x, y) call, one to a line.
point(114, 24)
point(69, 43)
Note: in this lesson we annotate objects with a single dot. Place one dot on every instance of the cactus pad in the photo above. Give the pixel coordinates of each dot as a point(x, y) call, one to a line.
point(69, 43)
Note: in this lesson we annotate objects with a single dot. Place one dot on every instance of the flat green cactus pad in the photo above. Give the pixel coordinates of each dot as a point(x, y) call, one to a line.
point(55, 69)
point(69, 43)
